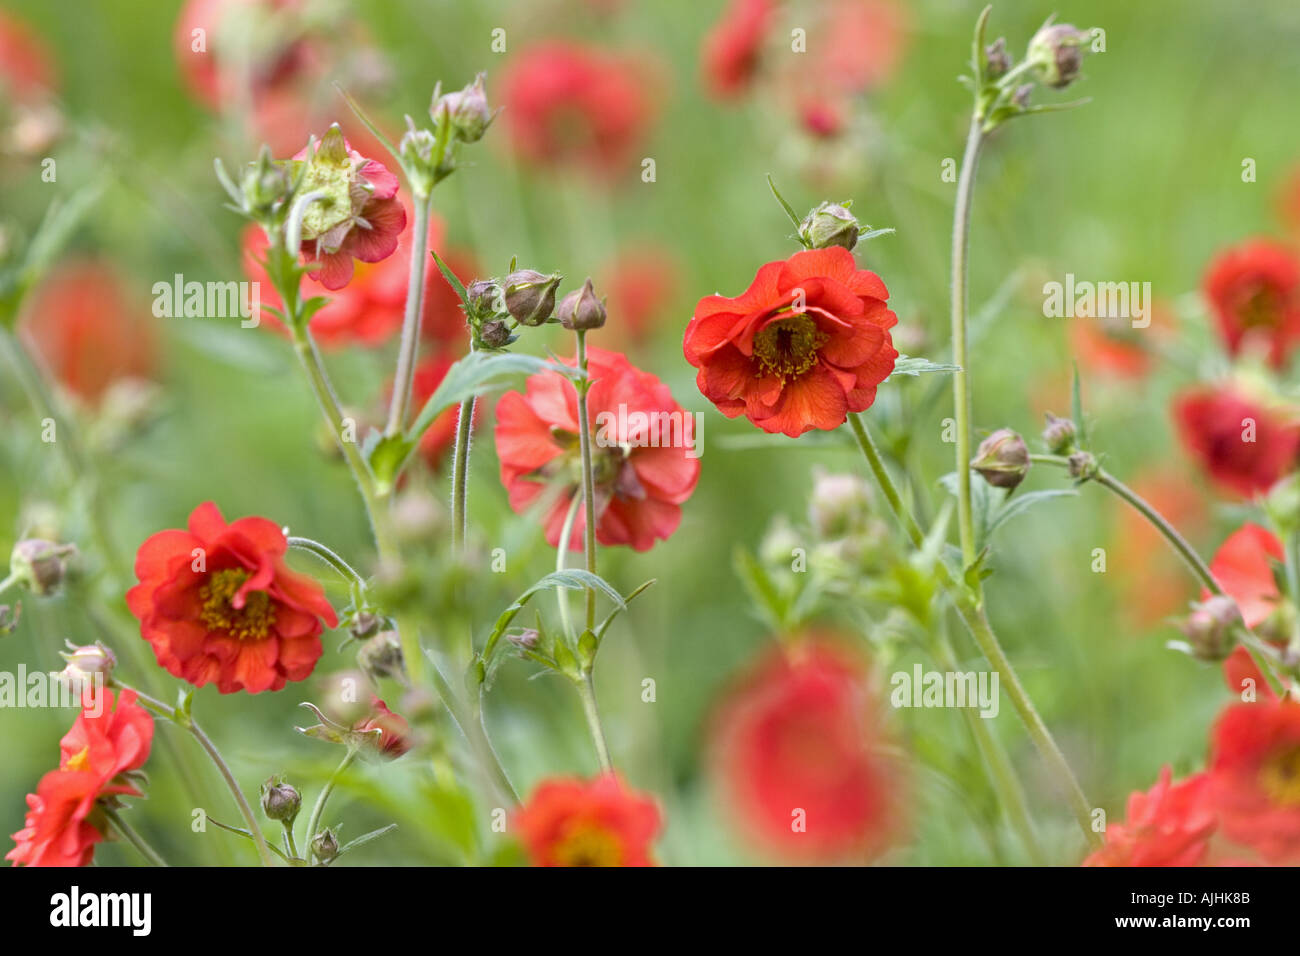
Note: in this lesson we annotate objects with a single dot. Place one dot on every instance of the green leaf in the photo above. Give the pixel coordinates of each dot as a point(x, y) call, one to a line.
point(789, 210)
point(1022, 503)
point(248, 835)
point(385, 454)
point(453, 280)
point(865, 234)
point(982, 504)
point(374, 130)
point(365, 838)
point(907, 365)
point(772, 604)
point(604, 625)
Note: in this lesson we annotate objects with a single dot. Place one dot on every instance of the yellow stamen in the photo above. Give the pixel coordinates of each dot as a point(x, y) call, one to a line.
point(1279, 777)
point(251, 622)
point(79, 760)
point(589, 846)
point(788, 347)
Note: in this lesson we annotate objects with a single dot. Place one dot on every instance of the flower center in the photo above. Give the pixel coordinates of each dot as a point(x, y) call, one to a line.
point(251, 622)
point(788, 347)
point(79, 760)
point(1279, 777)
point(1262, 308)
point(589, 845)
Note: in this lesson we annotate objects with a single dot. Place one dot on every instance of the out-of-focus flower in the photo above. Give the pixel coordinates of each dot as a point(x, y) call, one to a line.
point(218, 604)
point(394, 733)
point(601, 822)
point(1168, 825)
point(1244, 443)
point(642, 447)
point(797, 745)
point(641, 282)
point(1154, 582)
point(439, 437)
point(98, 757)
point(1112, 347)
point(1254, 292)
point(733, 47)
point(82, 321)
point(1243, 566)
point(566, 103)
point(1255, 776)
point(26, 68)
point(804, 345)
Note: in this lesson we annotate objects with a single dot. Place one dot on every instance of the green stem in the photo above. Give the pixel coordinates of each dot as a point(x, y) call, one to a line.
point(134, 838)
point(588, 480)
point(471, 726)
point(460, 475)
point(8, 582)
point(323, 797)
point(587, 691)
point(330, 557)
point(562, 594)
point(400, 403)
point(290, 844)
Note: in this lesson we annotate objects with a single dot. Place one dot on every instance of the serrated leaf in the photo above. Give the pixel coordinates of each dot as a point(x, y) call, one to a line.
point(908, 365)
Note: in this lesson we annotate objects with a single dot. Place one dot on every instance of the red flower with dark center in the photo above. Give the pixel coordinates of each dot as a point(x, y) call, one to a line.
point(63, 823)
point(642, 443)
point(571, 822)
point(1254, 291)
point(83, 322)
point(797, 746)
point(567, 103)
point(1169, 825)
point(394, 738)
point(807, 343)
point(1255, 776)
point(218, 604)
point(1243, 568)
point(1245, 444)
point(733, 47)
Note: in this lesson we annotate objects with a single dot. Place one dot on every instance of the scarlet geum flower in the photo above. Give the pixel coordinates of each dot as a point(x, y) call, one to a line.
point(1254, 293)
point(734, 45)
point(571, 822)
point(386, 732)
point(1245, 443)
point(1168, 825)
point(1255, 776)
point(1244, 567)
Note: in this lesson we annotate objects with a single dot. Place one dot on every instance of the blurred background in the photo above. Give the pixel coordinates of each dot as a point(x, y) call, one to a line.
point(650, 177)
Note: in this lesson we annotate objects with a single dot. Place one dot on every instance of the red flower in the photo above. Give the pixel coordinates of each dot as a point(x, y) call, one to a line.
point(394, 732)
point(1243, 443)
point(640, 283)
point(1254, 291)
point(26, 71)
point(1243, 569)
point(1112, 347)
point(733, 46)
point(218, 604)
point(571, 822)
point(567, 103)
point(1169, 825)
point(83, 323)
point(1255, 776)
point(797, 748)
point(62, 825)
point(807, 343)
point(642, 444)
point(367, 230)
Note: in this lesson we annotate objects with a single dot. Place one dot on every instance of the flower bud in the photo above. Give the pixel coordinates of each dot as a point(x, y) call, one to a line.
point(840, 504)
point(91, 663)
point(530, 296)
point(9, 617)
point(280, 801)
point(387, 732)
point(1059, 435)
point(494, 334)
point(1056, 52)
point(381, 656)
point(1083, 465)
point(1020, 97)
point(325, 845)
point(1209, 627)
point(265, 184)
point(40, 565)
point(996, 60)
point(580, 310)
point(1002, 458)
point(482, 295)
point(525, 640)
point(827, 225)
point(467, 109)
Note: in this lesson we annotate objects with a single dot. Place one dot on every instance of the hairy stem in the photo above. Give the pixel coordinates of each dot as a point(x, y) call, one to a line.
point(588, 480)
point(318, 809)
point(587, 691)
point(134, 838)
point(460, 475)
point(399, 405)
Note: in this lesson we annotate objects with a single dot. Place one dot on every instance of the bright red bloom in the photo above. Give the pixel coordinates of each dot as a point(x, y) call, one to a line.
point(62, 825)
point(797, 746)
point(218, 604)
point(807, 343)
point(1169, 825)
point(733, 47)
point(84, 324)
point(1255, 776)
point(394, 732)
point(1254, 291)
point(1243, 568)
point(568, 103)
point(1245, 444)
point(642, 447)
point(571, 822)
point(26, 69)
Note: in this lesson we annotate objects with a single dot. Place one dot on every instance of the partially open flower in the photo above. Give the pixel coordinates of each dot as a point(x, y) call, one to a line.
point(1002, 458)
point(92, 664)
point(388, 733)
point(1056, 52)
point(466, 109)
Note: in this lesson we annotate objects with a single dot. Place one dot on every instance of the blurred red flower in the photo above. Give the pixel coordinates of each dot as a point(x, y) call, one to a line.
point(1112, 347)
point(84, 324)
point(438, 439)
point(1255, 776)
point(1244, 444)
point(807, 343)
point(62, 826)
point(642, 445)
point(1254, 292)
point(1169, 825)
point(1243, 566)
point(26, 68)
point(798, 741)
point(219, 605)
point(734, 45)
point(566, 103)
point(394, 732)
point(1155, 583)
point(640, 282)
point(602, 822)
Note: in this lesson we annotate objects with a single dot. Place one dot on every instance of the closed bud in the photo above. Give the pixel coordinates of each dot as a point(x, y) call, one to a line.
point(381, 656)
point(1056, 52)
point(40, 565)
point(530, 296)
point(325, 845)
point(1002, 458)
point(265, 185)
point(494, 334)
point(1020, 97)
point(1082, 465)
point(91, 663)
point(580, 310)
point(525, 640)
point(996, 60)
point(1209, 628)
point(840, 504)
point(467, 110)
point(483, 295)
point(1059, 435)
point(280, 801)
point(829, 224)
